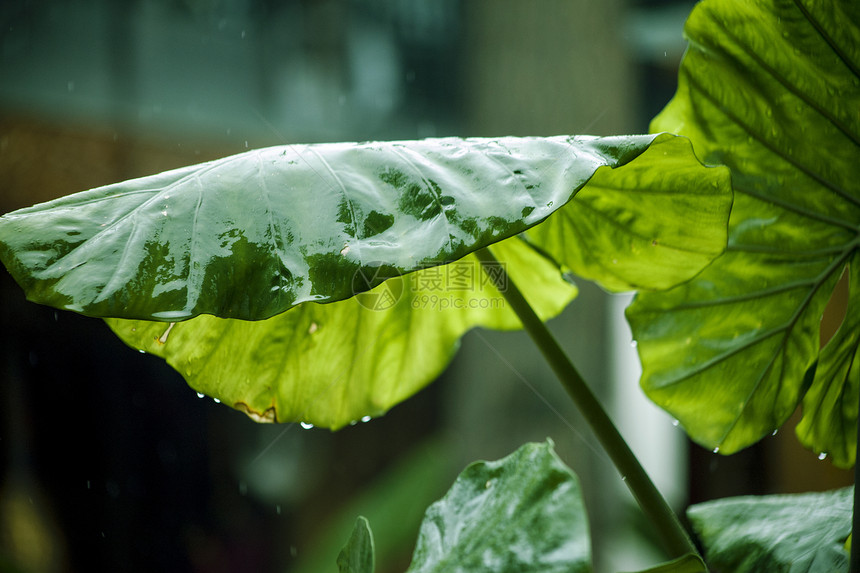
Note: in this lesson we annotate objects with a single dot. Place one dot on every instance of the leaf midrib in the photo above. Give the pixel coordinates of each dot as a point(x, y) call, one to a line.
point(814, 215)
point(826, 37)
point(801, 308)
point(630, 232)
point(815, 284)
point(355, 227)
point(788, 85)
point(695, 83)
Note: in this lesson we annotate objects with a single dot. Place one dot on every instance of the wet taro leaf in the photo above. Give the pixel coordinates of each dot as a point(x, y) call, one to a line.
point(770, 89)
point(357, 556)
point(332, 364)
point(252, 235)
point(255, 234)
point(791, 533)
point(521, 514)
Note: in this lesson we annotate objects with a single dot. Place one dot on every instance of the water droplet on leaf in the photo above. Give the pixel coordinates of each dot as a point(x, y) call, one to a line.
point(200, 395)
point(365, 419)
point(306, 425)
point(822, 455)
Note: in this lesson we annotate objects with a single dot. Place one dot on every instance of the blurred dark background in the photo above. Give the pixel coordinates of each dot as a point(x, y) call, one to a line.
point(109, 462)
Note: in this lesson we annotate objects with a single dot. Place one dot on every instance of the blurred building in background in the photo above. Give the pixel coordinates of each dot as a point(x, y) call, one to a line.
point(108, 461)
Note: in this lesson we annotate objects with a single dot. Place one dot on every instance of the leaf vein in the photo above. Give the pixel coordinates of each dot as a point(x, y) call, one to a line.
point(768, 145)
point(432, 192)
point(801, 308)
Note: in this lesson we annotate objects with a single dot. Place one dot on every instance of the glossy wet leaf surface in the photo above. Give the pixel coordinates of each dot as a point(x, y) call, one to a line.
point(357, 556)
point(252, 235)
point(521, 514)
point(290, 228)
point(772, 90)
point(803, 533)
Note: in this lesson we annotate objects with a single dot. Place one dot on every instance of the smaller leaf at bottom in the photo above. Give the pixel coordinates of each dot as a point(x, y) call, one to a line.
point(790, 533)
point(521, 514)
point(357, 555)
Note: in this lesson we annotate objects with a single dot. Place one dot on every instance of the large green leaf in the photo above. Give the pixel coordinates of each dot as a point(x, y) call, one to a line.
point(787, 533)
point(770, 89)
point(331, 364)
point(289, 228)
point(252, 235)
point(520, 514)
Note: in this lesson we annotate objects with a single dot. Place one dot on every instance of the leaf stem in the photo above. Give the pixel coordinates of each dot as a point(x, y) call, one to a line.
point(854, 561)
point(675, 539)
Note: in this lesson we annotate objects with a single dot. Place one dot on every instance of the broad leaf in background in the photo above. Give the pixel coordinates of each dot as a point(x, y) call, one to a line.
point(249, 236)
point(357, 556)
point(791, 533)
point(770, 89)
point(252, 235)
point(521, 514)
